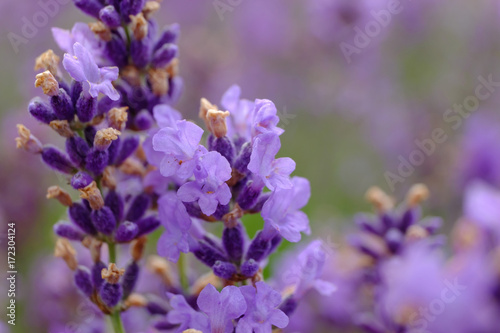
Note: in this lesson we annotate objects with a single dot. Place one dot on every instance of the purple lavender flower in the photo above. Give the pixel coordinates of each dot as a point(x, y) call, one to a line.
point(184, 315)
point(80, 33)
point(262, 313)
point(273, 172)
point(281, 212)
point(482, 206)
point(210, 188)
point(222, 307)
point(83, 68)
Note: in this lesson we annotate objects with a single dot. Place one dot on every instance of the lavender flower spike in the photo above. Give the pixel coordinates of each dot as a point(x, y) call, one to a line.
point(83, 68)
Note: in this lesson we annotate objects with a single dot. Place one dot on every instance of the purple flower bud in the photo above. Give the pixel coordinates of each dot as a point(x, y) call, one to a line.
point(77, 149)
point(224, 146)
point(144, 120)
point(140, 52)
point(221, 211)
point(96, 161)
point(208, 254)
point(127, 148)
point(169, 35)
point(89, 7)
point(76, 90)
point(115, 202)
point(41, 111)
point(233, 242)
point(97, 279)
point(116, 51)
point(104, 220)
point(110, 17)
point(249, 195)
point(129, 278)
point(260, 202)
point(80, 216)
point(241, 162)
point(111, 294)
point(57, 160)
point(259, 248)
point(130, 7)
point(138, 207)
point(105, 104)
point(83, 280)
point(80, 180)
point(86, 108)
point(275, 242)
point(193, 209)
point(90, 132)
point(113, 150)
point(224, 269)
point(156, 306)
point(69, 231)
point(62, 105)
point(147, 224)
point(163, 325)
point(164, 55)
point(288, 306)
point(64, 85)
point(249, 268)
point(126, 232)
point(394, 239)
point(410, 217)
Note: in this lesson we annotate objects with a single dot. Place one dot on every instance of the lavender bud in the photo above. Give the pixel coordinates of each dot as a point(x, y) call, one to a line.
point(138, 207)
point(86, 108)
point(113, 150)
point(128, 147)
point(193, 209)
point(83, 280)
point(140, 52)
point(116, 50)
point(57, 160)
point(241, 162)
point(97, 279)
point(225, 147)
point(77, 149)
point(130, 7)
point(163, 325)
point(169, 35)
point(41, 111)
point(275, 242)
point(89, 7)
point(126, 232)
point(62, 105)
point(105, 104)
point(111, 294)
point(364, 223)
point(147, 225)
point(394, 239)
point(164, 55)
point(89, 133)
point(129, 278)
point(224, 269)
point(208, 254)
point(260, 202)
point(233, 242)
point(288, 306)
point(144, 120)
point(115, 202)
point(249, 268)
point(409, 218)
point(104, 220)
point(156, 306)
point(69, 231)
point(96, 161)
point(64, 86)
point(259, 248)
point(76, 91)
point(221, 211)
point(80, 216)
point(110, 17)
point(80, 180)
point(249, 195)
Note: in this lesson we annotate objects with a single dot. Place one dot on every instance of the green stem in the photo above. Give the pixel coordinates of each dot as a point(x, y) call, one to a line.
point(127, 33)
point(182, 265)
point(112, 252)
point(116, 322)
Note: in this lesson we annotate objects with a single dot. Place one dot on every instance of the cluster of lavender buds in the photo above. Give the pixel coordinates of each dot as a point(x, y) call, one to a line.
point(120, 78)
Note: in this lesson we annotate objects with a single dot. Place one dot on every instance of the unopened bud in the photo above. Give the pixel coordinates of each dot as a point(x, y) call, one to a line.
point(48, 83)
point(93, 195)
point(103, 138)
point(117, 118)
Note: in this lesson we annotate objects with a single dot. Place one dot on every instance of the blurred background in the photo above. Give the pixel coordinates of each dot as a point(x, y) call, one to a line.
point(370, 92)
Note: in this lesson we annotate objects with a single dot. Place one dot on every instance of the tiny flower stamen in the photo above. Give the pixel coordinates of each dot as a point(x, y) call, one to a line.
point(27, 141)
point(379, 199)
point(48, 83)
point(65, 251)
point(117, 118)
point(158, 77)
point(62, 128)
point(131, 166)
point(205, 105)
point(92, 193)
point(137, 248)
point(112, 273)
point(217, 122)
point(136, 300)
point(150, 7)
point(191, 330)
point(101, 30)
point(173, 67)
point(417, 194)
point(108, 177)
point(132, 75)
point(161, 267)
point(416, 232)
point(55, 192)
point(231, 218)
point(103, 138)
point(203, 281)
point(48, 61)
point(139, 26)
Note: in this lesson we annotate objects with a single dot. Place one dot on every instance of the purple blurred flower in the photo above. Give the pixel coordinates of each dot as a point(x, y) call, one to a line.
point(262, 313)
point(210, 188)
point(273, 172)
point(83, 68)
point(222, 307)
point(482, 206)
point(80, 33)
point(281, 212)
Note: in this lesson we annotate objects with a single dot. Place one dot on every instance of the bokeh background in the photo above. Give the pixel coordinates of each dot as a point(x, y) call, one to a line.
point(348, 120)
